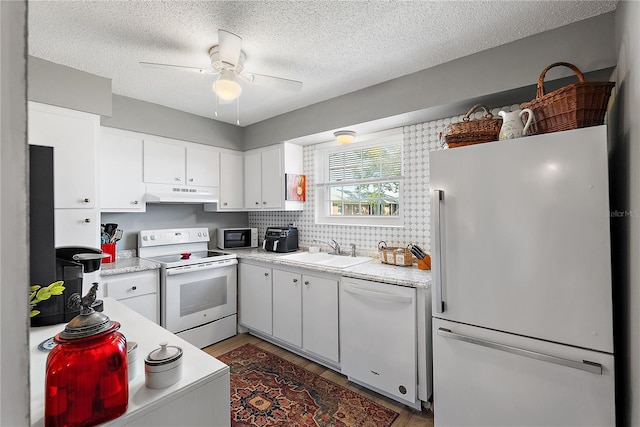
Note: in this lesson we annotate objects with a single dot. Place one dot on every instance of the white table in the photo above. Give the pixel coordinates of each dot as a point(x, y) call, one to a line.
point(201, 397)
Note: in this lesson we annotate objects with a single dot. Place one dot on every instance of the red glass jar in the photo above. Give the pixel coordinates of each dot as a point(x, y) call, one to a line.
point(86, 379)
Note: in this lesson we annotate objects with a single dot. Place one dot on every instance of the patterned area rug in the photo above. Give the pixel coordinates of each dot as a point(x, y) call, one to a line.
point(267, 390)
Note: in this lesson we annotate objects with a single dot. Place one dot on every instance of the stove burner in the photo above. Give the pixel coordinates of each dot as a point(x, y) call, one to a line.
point(185, 255)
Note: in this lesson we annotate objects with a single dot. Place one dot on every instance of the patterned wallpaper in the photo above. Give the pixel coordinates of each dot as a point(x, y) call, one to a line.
point(419, 140)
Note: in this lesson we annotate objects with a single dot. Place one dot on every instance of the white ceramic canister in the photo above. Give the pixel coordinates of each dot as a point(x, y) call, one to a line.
point(133, 367)
point(163, 366)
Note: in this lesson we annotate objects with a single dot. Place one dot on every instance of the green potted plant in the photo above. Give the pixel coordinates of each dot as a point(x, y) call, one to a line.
point(39, 293)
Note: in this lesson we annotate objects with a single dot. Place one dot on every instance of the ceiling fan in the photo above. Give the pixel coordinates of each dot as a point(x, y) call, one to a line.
point(227, 61)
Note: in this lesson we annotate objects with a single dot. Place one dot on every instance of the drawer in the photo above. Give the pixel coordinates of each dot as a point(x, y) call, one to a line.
point(131, 284)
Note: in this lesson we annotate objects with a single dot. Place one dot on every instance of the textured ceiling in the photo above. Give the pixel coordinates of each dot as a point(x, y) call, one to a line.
point(333, 47)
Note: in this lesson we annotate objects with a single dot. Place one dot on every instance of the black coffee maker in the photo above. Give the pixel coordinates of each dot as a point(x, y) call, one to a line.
point(70, 265)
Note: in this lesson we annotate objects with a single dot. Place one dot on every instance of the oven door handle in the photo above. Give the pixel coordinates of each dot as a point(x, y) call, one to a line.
point(201, 267)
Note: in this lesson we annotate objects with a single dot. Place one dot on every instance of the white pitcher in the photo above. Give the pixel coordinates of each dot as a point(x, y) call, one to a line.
point(512, 125)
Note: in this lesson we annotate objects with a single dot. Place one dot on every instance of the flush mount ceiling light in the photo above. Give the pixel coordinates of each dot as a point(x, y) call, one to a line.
point(225, 87)
point(344, 136)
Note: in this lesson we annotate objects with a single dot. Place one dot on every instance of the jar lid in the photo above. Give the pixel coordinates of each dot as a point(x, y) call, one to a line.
point(163, 355)
point(89, 322)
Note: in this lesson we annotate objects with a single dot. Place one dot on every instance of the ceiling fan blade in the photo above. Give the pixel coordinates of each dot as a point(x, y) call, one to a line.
point(271, 81)
point(230, 47)
point(177, 67)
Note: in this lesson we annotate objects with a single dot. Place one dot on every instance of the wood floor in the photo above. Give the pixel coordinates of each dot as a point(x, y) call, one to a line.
point(408, 417)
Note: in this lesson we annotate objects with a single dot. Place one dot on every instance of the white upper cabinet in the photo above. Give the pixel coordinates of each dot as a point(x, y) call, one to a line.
point(203, 165)
point(73, 136)
point(180, 163)
point(164, 162)
point(120, 164)
point(231, 181)
point(264, 176)
point(253, 180)
point(272, 178)
point(77, 227)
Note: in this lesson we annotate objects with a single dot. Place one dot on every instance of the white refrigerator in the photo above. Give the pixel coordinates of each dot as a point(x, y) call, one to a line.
point(521, 282)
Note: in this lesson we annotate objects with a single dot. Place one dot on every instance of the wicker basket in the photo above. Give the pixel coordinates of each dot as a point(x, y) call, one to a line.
point(574, 106)
point(477, 131)
point(395, 255)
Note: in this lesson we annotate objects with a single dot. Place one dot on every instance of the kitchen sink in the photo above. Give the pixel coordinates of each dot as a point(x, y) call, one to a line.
point(325, 259)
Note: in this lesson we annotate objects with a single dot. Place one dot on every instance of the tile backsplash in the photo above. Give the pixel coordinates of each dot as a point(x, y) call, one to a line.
point(419, 140)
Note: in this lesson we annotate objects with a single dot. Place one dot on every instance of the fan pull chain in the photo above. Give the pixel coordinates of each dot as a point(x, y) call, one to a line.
point(216, 110)
point(238, 111)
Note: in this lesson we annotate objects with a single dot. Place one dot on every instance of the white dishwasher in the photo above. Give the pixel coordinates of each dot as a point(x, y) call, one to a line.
point(378, 338)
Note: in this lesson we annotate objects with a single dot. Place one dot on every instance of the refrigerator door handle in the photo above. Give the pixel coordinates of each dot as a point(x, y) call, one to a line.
point(585, 365)
point(436, 199)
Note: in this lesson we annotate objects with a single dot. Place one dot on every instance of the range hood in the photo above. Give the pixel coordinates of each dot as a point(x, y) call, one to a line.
point(164, 193)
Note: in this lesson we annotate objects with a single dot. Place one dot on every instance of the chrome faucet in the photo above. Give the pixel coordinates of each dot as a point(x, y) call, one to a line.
point(353, 249)
point(335, 247)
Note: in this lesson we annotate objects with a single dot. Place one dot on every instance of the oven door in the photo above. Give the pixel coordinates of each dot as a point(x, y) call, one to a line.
point(198, 294)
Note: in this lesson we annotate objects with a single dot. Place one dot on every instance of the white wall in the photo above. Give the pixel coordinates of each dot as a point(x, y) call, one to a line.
point(589, 44)
point(169, 216)
point(55, 84)
point(14, 254)
point(624, 155)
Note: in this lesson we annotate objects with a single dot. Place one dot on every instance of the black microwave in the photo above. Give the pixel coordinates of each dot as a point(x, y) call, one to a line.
point(235, 238)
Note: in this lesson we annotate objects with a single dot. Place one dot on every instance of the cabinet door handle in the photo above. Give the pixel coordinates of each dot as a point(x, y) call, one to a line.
point(225, 204)
point(264, 203)
point(266, 274)
point(190, 179)
point(86, 200)
point(133, 288)
point(257, 203)
point(135, 202)
point(178, 178)
point(87, 220)
point(295, 280)
point(306, 282)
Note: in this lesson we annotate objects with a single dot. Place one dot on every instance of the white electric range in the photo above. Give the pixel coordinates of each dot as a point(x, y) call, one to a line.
point(198, 286)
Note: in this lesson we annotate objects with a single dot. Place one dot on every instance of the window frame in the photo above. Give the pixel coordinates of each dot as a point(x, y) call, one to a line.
point(321, 170)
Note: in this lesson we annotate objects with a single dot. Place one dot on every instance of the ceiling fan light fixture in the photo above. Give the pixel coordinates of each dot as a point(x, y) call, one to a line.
point(226, 88)
point(344, 136)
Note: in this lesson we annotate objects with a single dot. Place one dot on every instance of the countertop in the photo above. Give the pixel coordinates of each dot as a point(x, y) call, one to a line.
point(125, 264)
point(197, 368)
point(373, 270)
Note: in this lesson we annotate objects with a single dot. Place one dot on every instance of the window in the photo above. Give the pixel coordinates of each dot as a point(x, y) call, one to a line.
point(361, 183)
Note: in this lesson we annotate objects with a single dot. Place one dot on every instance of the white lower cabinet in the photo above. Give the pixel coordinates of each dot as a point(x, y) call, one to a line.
point(254, 297)
point(378, 345)
point(138, 291)
point(297, 308)
point(287, 306)
point(320, 316)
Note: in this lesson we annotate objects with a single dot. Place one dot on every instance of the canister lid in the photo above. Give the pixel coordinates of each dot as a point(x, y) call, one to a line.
point(89, 322)
point(163, 355)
